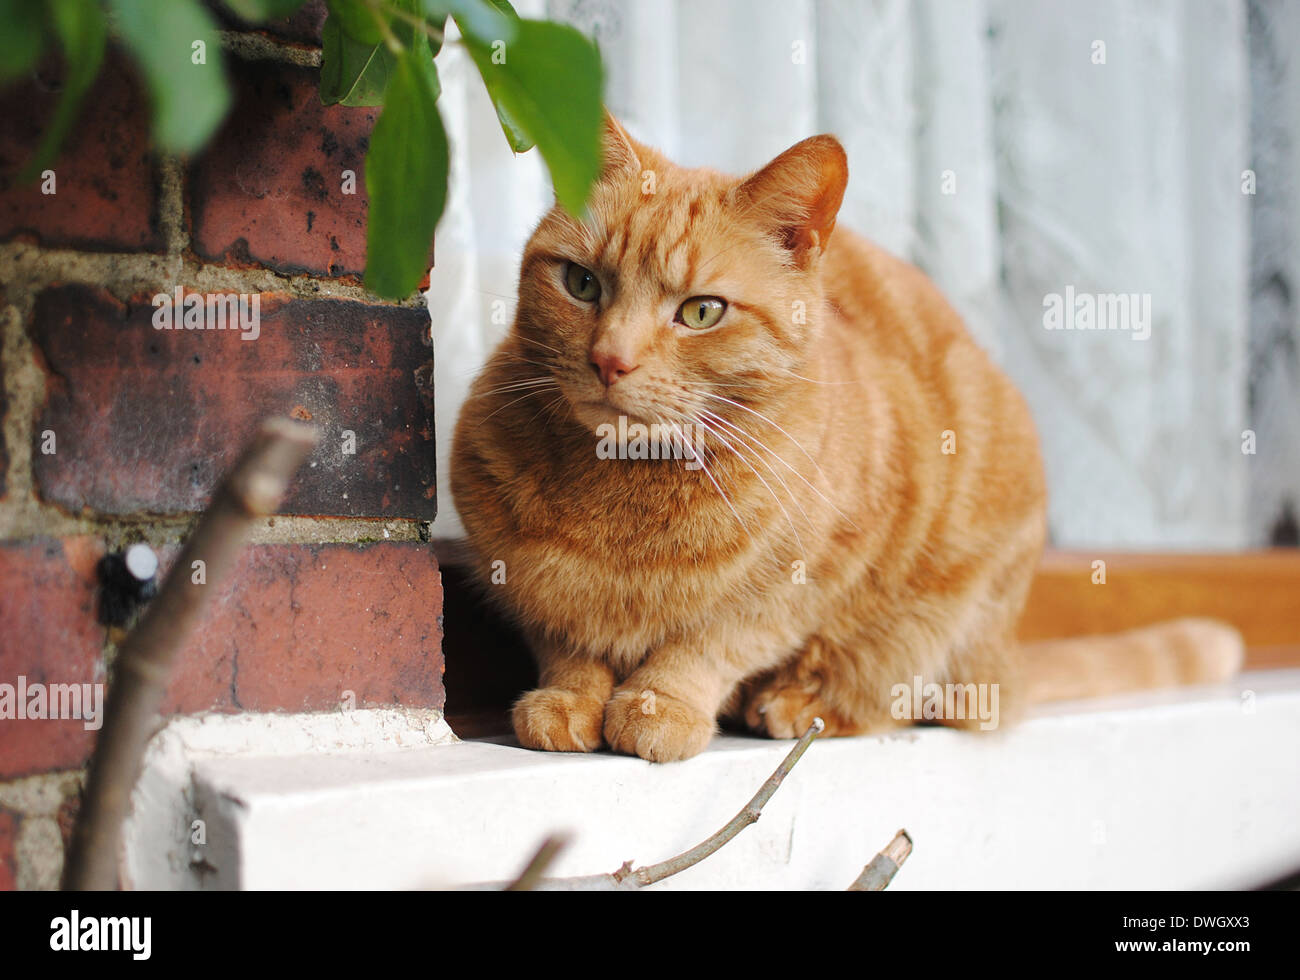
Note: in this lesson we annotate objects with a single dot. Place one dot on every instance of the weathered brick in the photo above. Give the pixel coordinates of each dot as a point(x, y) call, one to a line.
point(293, 628)
point(4, 448)
point(4, 412)
point(303, 26)
point(8, 861)
point(269, 189)
point(105, 185)
point(297, 626)
point(50, 636)
point(148, 420)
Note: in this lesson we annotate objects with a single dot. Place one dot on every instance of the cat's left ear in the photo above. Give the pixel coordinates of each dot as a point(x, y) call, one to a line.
point(618, 150)
point(799, 194)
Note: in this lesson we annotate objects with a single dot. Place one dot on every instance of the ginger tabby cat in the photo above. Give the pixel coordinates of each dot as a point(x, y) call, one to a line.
point(821, 547)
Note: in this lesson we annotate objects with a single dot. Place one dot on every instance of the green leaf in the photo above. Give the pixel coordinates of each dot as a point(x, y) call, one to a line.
point(22, 37)
point(82, 33)
point(189, 99)
point(548, 85)
point(516, 135)
point(355, 73)
point(519, 140)
point(420, 45)
point(424, 58)
point(357, 20)
point(352, 72)
point(260, 10)
point(484, 21)
point(406, 178)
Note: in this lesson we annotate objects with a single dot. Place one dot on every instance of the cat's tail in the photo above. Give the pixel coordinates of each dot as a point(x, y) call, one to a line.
point(1170, 654)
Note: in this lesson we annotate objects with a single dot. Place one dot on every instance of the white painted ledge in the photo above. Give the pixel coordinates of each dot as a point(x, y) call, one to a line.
point(1187, 789)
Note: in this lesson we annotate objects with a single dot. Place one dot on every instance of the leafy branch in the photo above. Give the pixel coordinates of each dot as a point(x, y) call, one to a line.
point(544, 79)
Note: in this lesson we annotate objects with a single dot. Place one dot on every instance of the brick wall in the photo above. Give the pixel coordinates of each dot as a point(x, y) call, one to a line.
point(115, 432)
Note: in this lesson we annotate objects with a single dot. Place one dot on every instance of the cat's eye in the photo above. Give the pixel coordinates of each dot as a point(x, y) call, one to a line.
point(701, 312)
point(581, 283)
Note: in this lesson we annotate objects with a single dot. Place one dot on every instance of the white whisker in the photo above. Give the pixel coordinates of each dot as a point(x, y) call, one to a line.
point(516, 386)
point(736, 452)
point(782, 460)
point(530, 340)
point(700, 456)
point(524, 397)
point(756, 445)
point(760, 415)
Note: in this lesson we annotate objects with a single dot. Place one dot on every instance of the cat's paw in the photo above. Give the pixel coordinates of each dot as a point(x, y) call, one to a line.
point(557, 720)
point(788, 712)
point(655, 726)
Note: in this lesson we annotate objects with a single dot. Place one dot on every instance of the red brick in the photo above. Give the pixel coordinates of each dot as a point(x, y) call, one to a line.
point(105, 180)
point(148, 420)
point(295, 626)
point(268, 191)
point(303, 26)
point(4, 448)
point(8, 861)
point(291, 629)
point(50, 636)
point(4, 411)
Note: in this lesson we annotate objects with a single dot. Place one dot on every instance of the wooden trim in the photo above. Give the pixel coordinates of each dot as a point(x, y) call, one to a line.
point(1256, 591)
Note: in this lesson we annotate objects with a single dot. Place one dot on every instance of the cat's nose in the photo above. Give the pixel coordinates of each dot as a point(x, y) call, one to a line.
point(610, 367)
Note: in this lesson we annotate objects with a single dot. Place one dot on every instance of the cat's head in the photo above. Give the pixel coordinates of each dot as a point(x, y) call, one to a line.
point(680, 287)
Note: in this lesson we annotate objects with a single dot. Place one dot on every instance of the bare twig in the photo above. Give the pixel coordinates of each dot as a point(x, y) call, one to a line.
point(628, 878)
point(748, 815)
point(877, 875)
point(253, 489)
point(533, 871)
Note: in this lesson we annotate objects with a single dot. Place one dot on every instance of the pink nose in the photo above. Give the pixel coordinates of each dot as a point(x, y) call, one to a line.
point(610, 367)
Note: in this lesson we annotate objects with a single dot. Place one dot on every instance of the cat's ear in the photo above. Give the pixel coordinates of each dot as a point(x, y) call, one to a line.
point(618, 151)
point(798, 195)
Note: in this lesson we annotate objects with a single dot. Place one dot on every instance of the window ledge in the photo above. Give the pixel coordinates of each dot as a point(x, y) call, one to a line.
point(1171, 790)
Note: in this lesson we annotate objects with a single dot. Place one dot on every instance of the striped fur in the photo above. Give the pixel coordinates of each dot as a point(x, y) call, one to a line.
point(829, 549)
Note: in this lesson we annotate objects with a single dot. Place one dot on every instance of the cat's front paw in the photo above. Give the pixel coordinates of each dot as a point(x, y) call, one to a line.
point(557, 720)
point(655, 726)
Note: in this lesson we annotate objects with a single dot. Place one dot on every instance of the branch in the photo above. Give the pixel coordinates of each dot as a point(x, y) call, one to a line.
point(628, 878)
point(253, 489)
point(877, 875)
point(748, 815)
point(533, 871)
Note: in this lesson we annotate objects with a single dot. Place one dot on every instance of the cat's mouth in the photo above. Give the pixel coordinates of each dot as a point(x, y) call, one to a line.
point(609, 410)
point(600, 411)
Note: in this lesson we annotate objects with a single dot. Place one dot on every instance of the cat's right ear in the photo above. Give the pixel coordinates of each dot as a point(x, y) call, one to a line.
point(798, 195)
point(618, 151)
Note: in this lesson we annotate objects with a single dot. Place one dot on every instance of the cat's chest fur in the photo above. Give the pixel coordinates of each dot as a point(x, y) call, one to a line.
point(648, 547)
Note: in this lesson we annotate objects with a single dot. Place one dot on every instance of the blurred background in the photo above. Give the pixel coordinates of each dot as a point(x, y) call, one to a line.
point(1012, 149)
